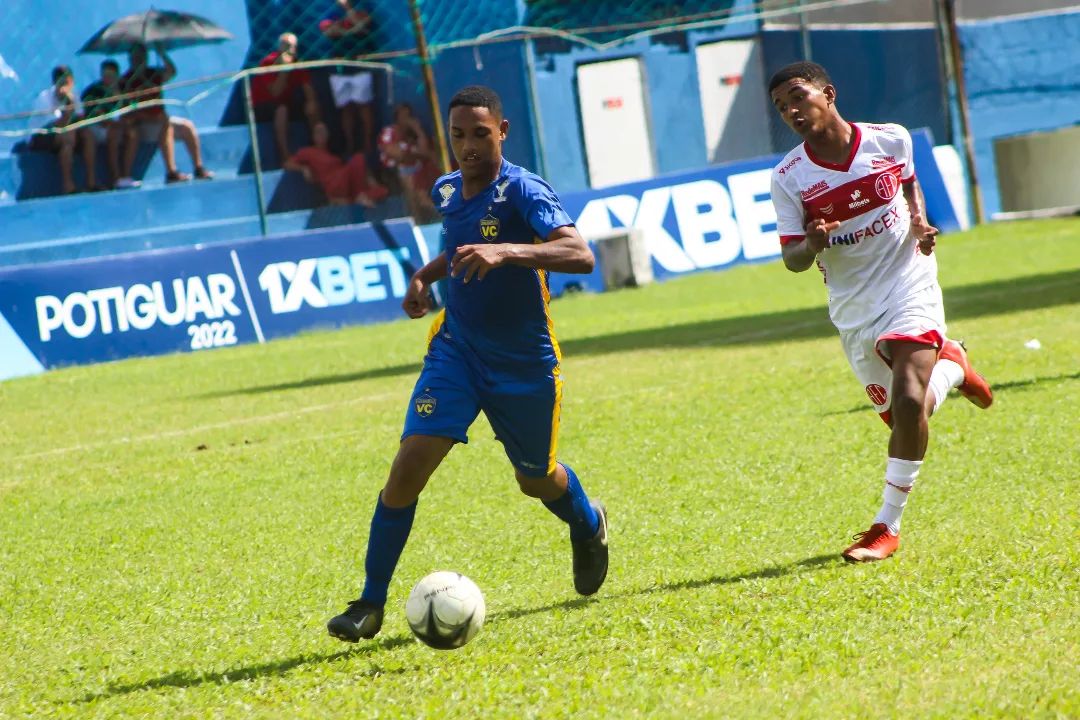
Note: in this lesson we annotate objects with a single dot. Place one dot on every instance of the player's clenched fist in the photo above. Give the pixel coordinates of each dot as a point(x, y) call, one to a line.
point(416, 304)
point(817, 234)
point(924, 232)
point(478, 260)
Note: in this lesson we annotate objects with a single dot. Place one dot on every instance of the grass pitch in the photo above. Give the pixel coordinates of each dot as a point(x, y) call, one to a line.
point(176, 531)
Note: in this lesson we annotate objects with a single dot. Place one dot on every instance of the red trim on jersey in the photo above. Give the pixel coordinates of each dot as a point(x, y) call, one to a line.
point(887, 417)
point(857, 197)
point(932, 338)
point(908, 180)
point(842, 167)
point(789, 239)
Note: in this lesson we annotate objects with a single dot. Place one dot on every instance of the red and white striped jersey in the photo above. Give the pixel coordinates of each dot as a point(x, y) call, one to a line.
point(872, 259)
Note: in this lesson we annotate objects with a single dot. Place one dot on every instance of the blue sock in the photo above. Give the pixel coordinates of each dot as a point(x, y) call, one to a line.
point(389, 530)
point(574, 509)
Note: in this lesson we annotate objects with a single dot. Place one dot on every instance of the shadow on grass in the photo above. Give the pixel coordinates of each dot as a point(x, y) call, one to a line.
point(771, 572)
point(1005, 387)
point(964, 302)
point(194, 678)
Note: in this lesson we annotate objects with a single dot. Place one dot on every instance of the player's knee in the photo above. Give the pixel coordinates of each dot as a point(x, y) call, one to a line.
point(908, 405)
point(534, 487)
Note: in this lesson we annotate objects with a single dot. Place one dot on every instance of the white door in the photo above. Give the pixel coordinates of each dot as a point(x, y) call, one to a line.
point(734, 100)
point(614, 115)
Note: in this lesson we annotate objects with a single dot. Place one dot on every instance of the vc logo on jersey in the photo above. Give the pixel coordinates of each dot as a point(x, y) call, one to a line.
point(425, 404)
point(489, 228)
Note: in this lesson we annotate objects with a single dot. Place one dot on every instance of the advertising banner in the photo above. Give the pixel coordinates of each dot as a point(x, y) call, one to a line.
point(712, 218)
point(190, 299)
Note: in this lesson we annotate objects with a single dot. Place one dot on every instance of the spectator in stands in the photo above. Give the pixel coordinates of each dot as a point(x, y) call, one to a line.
point(404, 149)
point(99, 99)
point(344, 183)
point(153, 124)
point(55, 108)
point(350, 30)
point(276, 96)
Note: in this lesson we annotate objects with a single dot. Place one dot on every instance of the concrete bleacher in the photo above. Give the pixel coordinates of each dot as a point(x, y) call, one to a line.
point(39, 225)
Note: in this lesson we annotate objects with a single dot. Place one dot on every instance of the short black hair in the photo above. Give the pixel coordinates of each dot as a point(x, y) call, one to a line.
point(804, 70)
point(478, 96)
point(110, 63)
point(59, 72)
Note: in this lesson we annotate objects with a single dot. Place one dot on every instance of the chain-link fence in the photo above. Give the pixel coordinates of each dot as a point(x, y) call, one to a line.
point(890, 58)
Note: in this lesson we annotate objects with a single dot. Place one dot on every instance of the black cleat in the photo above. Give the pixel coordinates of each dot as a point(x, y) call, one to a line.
point(361, 620)
point(591, 556)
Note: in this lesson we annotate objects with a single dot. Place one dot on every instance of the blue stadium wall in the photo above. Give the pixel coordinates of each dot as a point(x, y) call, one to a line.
point(876, 88)
point(1022, 76)
point(40, 34)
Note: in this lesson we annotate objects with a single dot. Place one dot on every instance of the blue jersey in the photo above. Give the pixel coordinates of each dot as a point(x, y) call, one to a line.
point(503, 320)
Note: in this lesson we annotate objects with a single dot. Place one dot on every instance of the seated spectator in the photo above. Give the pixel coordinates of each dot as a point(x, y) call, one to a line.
point(277, 96)
point(99, 99)
point(153, 124)
point(55, 108)
point(349, 28)
point(405, 150)
point(344, 183)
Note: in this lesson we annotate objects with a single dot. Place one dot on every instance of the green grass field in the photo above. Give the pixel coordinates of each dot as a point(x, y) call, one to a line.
point(176, 531)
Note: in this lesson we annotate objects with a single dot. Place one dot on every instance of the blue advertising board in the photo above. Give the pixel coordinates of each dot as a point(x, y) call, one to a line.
point(714, 217)
point(196, 298)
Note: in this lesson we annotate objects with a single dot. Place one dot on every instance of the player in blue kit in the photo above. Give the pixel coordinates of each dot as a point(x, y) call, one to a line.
point(492, 349)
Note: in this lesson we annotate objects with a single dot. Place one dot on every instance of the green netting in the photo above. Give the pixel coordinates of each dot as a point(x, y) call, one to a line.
point(627, 15)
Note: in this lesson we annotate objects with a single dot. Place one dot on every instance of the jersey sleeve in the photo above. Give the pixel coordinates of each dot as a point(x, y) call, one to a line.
point(540, 206)
point(789, 213)
point(909, 156)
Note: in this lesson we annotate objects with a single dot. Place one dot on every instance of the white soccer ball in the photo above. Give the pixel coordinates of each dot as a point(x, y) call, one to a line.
point(445, 610)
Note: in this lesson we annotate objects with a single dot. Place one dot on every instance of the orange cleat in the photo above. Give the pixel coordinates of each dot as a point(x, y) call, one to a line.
point(974, 388)
point(877, 543)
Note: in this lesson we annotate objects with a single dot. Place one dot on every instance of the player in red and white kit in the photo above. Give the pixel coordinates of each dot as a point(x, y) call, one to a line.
point(847, 200)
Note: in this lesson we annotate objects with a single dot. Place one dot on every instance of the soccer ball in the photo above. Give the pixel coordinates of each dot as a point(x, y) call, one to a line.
point(445, 610)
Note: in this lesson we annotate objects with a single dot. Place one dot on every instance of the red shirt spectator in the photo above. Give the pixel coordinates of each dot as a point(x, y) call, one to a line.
point(342, 182)
point(262, 86)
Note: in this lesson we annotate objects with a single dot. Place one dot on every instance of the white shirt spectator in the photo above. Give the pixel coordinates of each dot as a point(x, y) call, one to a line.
point(48, 108)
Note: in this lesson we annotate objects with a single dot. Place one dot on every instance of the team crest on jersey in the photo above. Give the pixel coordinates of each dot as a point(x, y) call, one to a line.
point(489, 228)
point(877, 394)
point(424, 404)
point(886, 186)
point(500, 190)
point(447, 191)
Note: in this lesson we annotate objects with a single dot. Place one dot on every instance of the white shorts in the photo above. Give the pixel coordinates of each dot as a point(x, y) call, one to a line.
point(150, 132)
point(918, 318)
point(352, 89)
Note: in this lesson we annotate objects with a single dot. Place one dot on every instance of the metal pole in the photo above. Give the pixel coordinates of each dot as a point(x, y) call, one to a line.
point(947, 73)
point(949, 8)
point(804, 33)
point(256, 158)
point(534, 101)
point(429, 84)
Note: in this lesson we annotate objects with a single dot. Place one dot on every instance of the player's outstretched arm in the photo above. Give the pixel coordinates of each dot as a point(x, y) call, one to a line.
point(417, 301)
point(924, 232)
point(563, 251)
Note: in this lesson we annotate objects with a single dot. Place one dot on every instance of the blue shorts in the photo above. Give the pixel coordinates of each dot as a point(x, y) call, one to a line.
point(523, 408)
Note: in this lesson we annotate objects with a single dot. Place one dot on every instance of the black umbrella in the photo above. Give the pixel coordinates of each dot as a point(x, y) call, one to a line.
point(166, 28)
